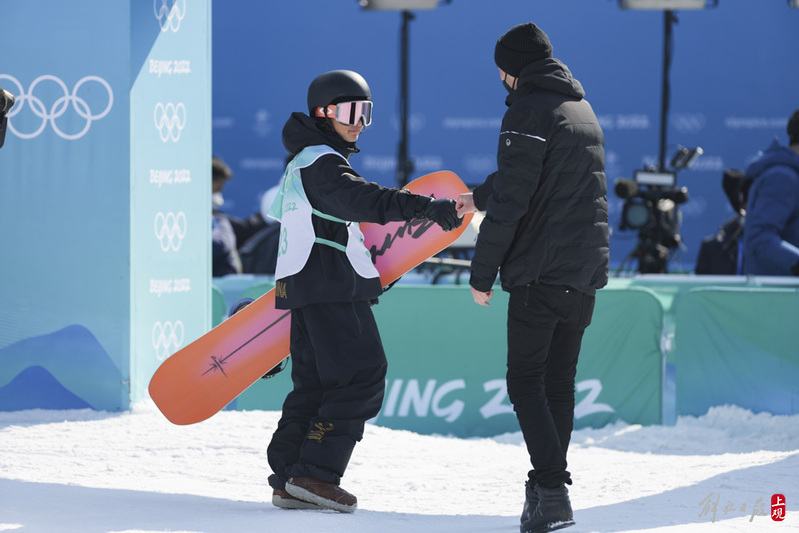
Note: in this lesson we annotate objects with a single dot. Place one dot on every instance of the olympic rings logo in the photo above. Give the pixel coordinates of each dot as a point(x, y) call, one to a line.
point(167, 338)
point(169, 18)
point(170, 119)
point(65, 100)
point(170, 229)
point(689, 122)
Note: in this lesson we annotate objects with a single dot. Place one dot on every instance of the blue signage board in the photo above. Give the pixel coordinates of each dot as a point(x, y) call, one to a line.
point(728, 95)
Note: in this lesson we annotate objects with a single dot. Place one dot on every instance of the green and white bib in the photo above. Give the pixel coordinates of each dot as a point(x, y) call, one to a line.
point(292, 208)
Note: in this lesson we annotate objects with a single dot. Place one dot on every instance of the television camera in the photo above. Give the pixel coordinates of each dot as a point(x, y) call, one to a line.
point(651, 207)
point(6, 103)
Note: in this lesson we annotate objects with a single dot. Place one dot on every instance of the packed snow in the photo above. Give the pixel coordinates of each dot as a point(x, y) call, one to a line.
point(134, 472)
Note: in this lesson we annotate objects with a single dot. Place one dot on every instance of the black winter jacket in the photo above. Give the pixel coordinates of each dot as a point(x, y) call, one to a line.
point(546, 205)
point(334, 188)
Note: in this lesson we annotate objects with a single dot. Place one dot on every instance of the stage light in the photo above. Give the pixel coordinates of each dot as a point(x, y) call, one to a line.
point(398, 5)
point(673, 5)
point(405, 165)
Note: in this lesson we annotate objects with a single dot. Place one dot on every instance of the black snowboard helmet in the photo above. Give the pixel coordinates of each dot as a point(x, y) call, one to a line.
point(336, 86)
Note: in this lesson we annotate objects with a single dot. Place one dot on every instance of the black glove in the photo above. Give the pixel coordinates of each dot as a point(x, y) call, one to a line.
point(442, 211)
point(795, 269)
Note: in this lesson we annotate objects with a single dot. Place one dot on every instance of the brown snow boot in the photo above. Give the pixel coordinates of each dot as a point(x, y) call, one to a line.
point(284, 500)
point(322, 493)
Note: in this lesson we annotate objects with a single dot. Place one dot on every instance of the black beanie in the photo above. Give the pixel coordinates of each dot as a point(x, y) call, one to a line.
point(520, 46)
point(793, 128)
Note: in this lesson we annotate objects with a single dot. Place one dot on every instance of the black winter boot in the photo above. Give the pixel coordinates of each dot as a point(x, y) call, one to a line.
point(554, 511)
point(530, 501)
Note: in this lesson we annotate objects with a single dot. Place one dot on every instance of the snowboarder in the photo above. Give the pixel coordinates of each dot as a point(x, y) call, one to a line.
point(326, 278)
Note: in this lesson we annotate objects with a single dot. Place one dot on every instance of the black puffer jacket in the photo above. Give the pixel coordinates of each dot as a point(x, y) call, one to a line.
point(546, 206)
point(334, 188)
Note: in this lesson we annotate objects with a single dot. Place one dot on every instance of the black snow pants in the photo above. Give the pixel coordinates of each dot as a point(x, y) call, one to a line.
point(338, 368)
point(545, 329)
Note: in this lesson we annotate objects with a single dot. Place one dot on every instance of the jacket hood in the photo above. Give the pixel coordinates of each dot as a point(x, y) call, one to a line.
point(547, 74)
point(301, 130)
point(775, 154)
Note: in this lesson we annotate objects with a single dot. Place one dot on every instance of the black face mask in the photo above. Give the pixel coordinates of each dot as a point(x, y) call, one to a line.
point(505, 84)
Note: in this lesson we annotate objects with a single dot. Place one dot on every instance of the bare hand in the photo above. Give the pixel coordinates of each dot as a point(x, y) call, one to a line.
point(465, 204)
point(481, 298)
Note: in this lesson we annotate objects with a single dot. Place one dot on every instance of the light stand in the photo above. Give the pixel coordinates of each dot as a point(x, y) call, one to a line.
point(669, 19)
point(654, 209)
point(404, 163)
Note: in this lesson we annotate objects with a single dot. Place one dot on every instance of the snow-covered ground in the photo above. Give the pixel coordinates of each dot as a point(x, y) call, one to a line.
point(86, 471)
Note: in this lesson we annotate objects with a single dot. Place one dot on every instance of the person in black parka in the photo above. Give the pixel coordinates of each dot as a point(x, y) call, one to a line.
point(325, 276)
point(546, 233)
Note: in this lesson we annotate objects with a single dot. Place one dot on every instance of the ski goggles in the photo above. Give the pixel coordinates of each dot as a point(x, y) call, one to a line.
point(349, 113)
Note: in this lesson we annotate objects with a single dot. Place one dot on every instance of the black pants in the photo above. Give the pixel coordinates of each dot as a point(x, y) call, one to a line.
point(338, 368)
point(545, 328)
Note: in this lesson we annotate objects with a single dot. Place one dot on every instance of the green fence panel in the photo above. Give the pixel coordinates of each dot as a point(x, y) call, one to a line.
point(237, 286)
point(447, 363)
point(219, 308)
point(737, 346)
point(621, 359)
point(259, 289)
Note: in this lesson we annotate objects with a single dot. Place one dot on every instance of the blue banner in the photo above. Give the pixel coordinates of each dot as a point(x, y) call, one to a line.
point(171, 182)
point(729, 94)
point(65, 269)
point(106, 196)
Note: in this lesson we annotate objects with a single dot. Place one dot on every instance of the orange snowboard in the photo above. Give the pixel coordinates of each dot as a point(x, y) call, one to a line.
point(200, 379)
